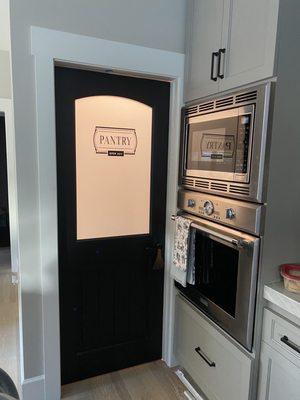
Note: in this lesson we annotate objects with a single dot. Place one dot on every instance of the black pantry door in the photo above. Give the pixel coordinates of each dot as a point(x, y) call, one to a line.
point(112, 140)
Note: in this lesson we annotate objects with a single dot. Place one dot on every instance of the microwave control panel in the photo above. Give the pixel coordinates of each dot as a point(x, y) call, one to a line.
point(243, 144)
point(240, 215)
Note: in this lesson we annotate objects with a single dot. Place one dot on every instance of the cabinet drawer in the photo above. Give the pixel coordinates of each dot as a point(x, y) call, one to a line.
point(282, 335)
point(278, 378)
point(220, 369)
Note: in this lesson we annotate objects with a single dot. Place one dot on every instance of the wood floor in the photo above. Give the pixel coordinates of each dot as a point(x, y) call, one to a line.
point(9, 331)
point(152, 381)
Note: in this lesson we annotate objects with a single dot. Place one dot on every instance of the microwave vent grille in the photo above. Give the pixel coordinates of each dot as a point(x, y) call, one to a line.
point(220, 187)
point(242, 190)
point(206, 106)
point(188, 182)
point(224, 102)
point(250, 96)
point(201, 184)
point(191, 110)
point(216, 186)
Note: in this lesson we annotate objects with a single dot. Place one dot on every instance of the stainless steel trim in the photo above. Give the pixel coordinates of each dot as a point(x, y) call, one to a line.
point(231, 112)
point(241, 325)
point(234, 112)
point(249, 217)
point(250, 187)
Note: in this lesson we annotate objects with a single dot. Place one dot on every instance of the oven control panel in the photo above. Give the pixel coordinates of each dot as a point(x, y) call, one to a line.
point(244, 216)
point(208, 207)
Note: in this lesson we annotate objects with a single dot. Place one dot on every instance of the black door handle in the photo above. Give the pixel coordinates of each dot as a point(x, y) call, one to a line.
point(221, 51)
point(292, 345)
point(213, 56)
point(204, 357)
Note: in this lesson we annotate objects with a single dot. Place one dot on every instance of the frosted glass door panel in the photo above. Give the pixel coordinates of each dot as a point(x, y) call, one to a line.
point(113, 166)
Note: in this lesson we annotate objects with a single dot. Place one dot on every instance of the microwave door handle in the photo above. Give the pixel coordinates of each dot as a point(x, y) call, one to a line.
point(236, 242)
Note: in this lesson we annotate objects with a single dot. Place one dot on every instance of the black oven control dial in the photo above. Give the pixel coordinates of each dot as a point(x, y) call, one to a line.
point(208, 207)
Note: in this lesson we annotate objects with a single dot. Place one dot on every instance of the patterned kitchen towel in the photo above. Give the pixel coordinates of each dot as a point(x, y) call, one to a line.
point(183, 268)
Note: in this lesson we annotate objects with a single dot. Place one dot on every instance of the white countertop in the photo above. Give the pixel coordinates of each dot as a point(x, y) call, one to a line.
point(278, 295)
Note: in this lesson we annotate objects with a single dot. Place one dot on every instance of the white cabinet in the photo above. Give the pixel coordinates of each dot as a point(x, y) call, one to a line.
point(241, 33)
point(204, 40)
point(249, 37)
point(219, 368)
point(279, 376)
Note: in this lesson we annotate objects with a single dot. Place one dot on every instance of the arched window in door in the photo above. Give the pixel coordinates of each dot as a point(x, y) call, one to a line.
point(113, 166)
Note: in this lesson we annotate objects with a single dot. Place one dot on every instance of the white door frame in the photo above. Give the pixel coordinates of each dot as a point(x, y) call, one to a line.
point(49, 47)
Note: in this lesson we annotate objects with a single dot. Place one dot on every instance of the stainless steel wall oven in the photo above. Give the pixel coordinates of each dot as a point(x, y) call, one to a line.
point(224, 144)
point(226, 260)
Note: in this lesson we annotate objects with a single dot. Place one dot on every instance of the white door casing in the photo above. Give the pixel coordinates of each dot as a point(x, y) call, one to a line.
point(48, 48)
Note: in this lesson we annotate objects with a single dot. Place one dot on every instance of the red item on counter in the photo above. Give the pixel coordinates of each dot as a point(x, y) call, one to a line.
point(291, 277)
point(288, 271)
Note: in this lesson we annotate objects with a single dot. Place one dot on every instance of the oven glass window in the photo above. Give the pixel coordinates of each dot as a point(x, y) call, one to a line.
point(218, 145)
point(217, 271)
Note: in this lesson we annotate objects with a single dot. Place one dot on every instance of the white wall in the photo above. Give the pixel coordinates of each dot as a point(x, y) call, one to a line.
point(156, 23)
point(5, 89)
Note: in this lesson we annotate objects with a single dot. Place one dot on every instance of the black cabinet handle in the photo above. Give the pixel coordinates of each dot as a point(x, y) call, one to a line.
point(213, 56)
point(292, 345)
point(221, 51)
point(204, 357)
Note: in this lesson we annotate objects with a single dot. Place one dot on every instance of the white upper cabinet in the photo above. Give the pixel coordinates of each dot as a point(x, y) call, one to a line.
point(229, 43)
point(249, 39)
point(204, 39)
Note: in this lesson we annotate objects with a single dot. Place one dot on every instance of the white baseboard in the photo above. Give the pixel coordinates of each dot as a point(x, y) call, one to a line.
point(33, 388)
point(192, 394)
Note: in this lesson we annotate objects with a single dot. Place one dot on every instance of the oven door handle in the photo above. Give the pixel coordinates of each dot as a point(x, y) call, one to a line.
point(241, 243)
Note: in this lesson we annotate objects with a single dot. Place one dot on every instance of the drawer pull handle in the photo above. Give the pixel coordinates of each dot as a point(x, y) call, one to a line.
point(204, 357)
point(292, 345)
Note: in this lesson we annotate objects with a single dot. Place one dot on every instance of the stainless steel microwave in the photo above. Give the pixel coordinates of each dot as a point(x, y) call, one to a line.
point(224, 144)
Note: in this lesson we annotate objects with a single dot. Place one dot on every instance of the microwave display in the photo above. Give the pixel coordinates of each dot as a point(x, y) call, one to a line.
point(220, 145)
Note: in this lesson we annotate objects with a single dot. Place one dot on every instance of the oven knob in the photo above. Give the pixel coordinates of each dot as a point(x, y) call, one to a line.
point(230, 214)
point(208, 207)
point(191, 203)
